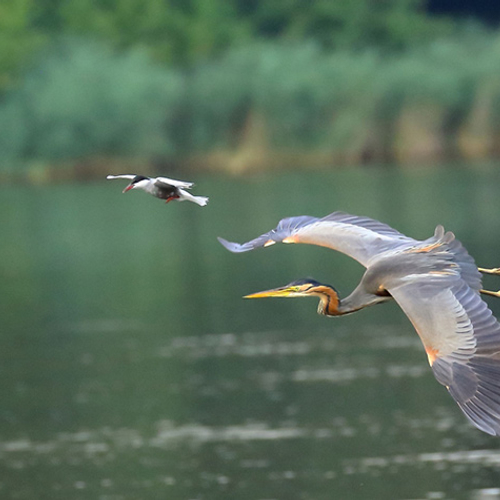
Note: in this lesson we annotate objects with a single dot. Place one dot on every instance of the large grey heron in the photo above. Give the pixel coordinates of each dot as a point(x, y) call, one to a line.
point(436, 283)
point(162, 187)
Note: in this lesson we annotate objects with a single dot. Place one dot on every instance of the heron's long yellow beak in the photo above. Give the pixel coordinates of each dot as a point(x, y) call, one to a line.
point(275, 292)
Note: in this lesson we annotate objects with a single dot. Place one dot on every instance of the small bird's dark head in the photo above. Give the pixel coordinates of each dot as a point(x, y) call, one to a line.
point(136, 182)
point(329, 298)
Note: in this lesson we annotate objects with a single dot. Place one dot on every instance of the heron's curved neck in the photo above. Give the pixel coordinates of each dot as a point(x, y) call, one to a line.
point(329, 301)
point(331, 305)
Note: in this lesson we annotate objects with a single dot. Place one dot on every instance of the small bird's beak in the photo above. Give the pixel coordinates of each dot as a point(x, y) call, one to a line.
point(285, 291)
point(128, 188)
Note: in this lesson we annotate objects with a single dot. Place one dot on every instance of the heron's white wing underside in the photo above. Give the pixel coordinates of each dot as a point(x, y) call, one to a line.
point(122, 176)
point(359, 237)
point(174, 182)
point(462, 341)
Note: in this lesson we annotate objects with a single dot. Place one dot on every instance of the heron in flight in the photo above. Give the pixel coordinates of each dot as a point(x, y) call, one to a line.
point(435, 282)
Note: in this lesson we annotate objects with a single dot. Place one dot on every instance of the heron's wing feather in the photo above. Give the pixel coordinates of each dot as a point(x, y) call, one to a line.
point(172, 182)
point(122, 176)
point(462, 341)
point(359, 237)
point(467, 266)
point(286, 227)
point(443, 252)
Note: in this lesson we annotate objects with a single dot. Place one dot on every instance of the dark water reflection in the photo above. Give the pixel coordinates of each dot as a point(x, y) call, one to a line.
point(132, 369)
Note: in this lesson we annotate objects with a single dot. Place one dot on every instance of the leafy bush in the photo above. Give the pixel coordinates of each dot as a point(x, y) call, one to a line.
point(82, 98)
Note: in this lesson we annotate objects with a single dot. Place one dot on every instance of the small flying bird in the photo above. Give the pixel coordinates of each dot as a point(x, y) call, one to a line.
point(162, 187)
point(436, 283)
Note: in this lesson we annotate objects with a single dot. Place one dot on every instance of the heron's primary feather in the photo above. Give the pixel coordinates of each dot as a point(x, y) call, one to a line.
point(359, 237)
point(462, 341)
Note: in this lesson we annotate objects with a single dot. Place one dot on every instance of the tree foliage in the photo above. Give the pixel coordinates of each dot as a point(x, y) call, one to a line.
point(147, 77)
point(17, 38)
point(183, 31)
point(82, 99)
point(392, 24)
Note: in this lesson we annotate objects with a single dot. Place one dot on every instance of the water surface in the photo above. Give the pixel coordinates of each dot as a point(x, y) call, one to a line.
point(132, 369)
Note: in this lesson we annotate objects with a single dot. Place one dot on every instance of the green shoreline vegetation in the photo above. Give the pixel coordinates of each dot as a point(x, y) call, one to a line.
point(95, 91)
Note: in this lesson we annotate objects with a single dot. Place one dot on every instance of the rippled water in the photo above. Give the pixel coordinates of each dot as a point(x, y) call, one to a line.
point(132, 369)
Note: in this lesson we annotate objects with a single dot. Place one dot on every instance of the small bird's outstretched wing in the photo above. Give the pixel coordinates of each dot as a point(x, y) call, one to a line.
point(462, 340)
point(359, 237)
point(122, 176)
point(199, 200)
point(172, 182)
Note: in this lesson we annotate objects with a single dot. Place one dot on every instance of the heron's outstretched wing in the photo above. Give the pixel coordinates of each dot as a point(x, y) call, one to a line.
point(172, 182)
point(122, 176)
point(359, 237)
point(462, 341)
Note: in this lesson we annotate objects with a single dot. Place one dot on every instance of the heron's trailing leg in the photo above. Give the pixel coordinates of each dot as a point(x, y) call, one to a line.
point(494, 270)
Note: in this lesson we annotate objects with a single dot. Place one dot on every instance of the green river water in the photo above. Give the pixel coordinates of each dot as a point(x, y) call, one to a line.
point(132, 369)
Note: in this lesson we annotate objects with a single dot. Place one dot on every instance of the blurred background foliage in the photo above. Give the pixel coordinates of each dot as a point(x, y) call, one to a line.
point(243, 84)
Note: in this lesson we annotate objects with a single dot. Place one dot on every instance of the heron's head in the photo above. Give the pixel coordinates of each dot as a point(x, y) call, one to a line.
point(329, 298)
point(139, 181)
